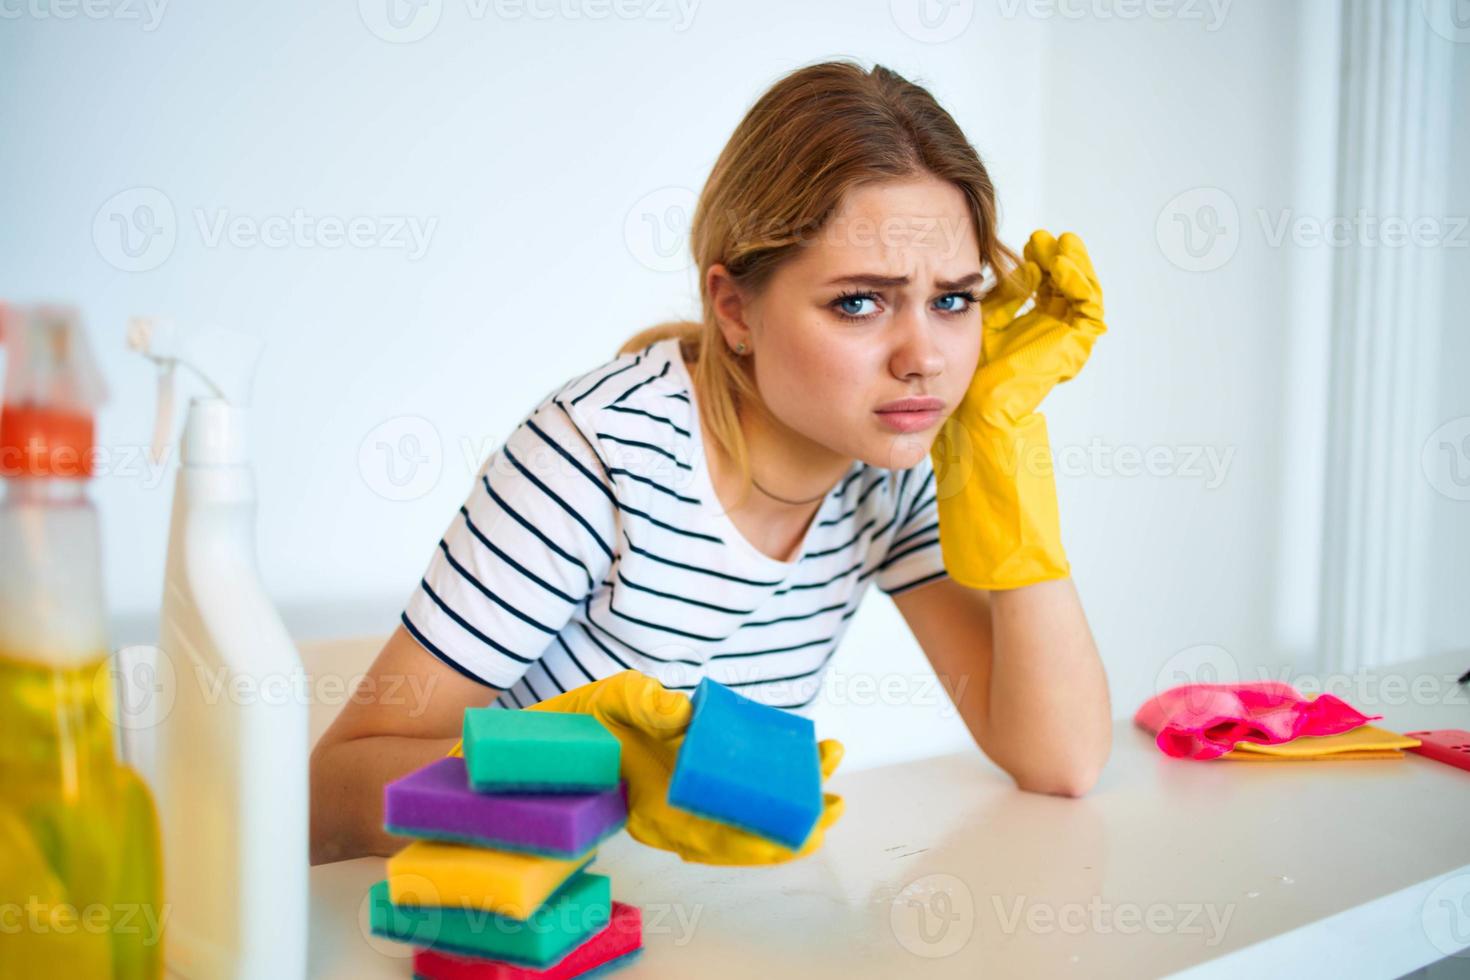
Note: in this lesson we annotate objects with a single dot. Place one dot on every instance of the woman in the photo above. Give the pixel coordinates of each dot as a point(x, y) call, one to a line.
point(715, 500)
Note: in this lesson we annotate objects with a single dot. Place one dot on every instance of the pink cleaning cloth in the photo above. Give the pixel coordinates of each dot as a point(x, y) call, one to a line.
point(1204, 721)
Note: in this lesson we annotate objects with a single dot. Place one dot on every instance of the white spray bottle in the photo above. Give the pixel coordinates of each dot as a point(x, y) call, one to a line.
point(231, 744)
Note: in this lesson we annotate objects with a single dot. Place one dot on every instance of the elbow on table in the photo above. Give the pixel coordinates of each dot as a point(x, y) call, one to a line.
point(1070, 784)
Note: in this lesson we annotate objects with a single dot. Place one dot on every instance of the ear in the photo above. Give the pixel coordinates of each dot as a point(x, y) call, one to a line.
point(730, 305)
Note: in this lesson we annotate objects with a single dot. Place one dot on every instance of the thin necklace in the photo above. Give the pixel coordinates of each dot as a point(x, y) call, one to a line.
point(783, 499)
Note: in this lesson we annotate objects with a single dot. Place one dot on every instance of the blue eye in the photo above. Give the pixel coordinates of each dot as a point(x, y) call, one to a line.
point(843, 308)
point(967, 296)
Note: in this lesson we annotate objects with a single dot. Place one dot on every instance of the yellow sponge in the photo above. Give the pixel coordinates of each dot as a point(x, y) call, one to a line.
point(508, 883)
point(1363, 742)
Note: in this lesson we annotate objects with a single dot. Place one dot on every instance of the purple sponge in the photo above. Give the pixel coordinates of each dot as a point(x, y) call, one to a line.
point(436, 803)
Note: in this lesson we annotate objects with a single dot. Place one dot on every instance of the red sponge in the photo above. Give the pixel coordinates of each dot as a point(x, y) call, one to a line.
point(617, 944)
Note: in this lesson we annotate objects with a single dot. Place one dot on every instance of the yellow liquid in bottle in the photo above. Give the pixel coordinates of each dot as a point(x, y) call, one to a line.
point(80, 873)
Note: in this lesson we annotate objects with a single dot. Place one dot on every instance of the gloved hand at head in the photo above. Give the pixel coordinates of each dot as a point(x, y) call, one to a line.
point(650, 722)
point(998, 521)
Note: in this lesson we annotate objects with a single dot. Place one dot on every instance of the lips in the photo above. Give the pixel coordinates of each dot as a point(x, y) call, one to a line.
point(909, 421)
point(914, 404)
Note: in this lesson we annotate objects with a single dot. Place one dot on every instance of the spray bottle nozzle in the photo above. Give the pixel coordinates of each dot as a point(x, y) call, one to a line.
point(224, 360)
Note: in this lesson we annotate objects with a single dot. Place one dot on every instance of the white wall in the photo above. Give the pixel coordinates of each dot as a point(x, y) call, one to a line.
point(1448, 624)
point(1208, 357)
point(531, 144)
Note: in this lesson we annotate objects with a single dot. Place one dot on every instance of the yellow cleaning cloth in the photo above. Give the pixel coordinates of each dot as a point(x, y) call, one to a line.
point(460, 876)
point(1363, 742)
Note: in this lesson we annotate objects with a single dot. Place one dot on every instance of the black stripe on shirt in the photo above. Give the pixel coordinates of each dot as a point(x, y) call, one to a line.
point(847, 544)
point(571, 459)
point(655, 484)
point(648, 380)
point(560, 502)
point(795, 617)
point(611, 374)
point(919, 495)
point(698, 535)
point(917, 582)
point(760, 653)
point(623, 578)
point(611, 656)
point(900, 542)
point(840, 518)
point(536, 531)
point(657, 418)
point(487, 593)
point(695, 568)
point(574, 659)
point(903, 554)
point(574, 424)
point(469, 628)
point(546, 669)
point(438, 654)
point(823, 584)
point(515, 564)
point(644, 445)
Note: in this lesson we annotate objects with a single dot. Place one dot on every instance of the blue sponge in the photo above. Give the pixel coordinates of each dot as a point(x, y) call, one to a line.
point(749, 765)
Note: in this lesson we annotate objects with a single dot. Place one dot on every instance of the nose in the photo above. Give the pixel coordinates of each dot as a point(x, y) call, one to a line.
point(916, 354)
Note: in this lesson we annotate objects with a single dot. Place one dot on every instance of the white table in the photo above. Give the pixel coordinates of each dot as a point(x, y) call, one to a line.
point(941, 868)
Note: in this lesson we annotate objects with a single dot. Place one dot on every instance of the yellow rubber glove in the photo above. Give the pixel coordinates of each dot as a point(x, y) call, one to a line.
point(997, 499)
point(650, 722)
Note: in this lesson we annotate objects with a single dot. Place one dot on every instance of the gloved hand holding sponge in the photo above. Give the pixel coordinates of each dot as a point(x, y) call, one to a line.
point(997, 499)
point(652, 723)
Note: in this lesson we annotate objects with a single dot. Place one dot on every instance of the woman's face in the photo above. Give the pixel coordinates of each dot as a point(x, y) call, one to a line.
point(877, 306)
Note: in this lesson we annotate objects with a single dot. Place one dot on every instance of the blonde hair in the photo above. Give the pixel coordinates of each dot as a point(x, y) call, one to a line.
point(817, 132)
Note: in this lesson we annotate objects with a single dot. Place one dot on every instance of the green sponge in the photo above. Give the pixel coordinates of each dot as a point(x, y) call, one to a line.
point(581, 907)
point(539, 752)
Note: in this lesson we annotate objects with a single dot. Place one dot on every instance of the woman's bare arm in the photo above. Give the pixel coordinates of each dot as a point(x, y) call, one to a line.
point(1025, 676)
point(406, 712)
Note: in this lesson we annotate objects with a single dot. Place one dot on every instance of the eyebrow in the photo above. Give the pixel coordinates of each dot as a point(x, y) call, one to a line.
point(881, 282)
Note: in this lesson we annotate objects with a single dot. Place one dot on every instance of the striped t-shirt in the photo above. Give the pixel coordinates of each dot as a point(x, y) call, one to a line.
point(592, 542)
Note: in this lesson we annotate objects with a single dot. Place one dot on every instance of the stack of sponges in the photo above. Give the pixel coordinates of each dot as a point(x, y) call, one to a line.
point(495, 885)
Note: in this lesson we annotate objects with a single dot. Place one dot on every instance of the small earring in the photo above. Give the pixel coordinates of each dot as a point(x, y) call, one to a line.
point(740, 347)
